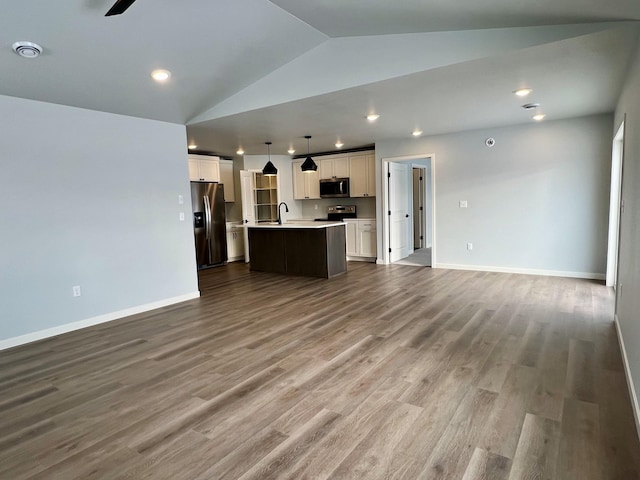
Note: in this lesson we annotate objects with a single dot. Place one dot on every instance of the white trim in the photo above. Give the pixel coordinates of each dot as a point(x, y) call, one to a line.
point(361, 259)
point(524, 271)
point(617, 157)
point(627, 371)
point(88, 322)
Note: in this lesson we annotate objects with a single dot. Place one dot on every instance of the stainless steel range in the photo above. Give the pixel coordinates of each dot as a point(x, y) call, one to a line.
point(340, 212)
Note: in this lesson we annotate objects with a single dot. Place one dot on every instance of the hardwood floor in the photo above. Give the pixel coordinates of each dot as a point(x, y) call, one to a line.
point(387, 372)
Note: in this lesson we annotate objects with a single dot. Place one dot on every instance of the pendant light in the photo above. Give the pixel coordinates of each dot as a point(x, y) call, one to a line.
point(308, 165)
point(269, 169)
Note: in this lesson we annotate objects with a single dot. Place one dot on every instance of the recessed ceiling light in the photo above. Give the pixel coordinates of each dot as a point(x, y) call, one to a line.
point(523, 92)
point(372, 117)
point(192, 146)
point(240, 151)
point(161, 75)
point(291, 151)
point(538, 117)
point(416, 133)
point(339, 144)
point(27, 49)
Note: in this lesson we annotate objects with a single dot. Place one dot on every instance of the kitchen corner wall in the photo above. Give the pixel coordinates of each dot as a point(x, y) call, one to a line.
point(89, 199)
point(628, 293)
point(285, 179)
point(537, 201)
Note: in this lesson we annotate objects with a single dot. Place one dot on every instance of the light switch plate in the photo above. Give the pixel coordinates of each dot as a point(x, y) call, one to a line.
point(180, 200)
point(463, 204)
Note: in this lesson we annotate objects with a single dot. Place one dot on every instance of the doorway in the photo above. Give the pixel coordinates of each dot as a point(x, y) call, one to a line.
point(409, 205)
point(615, 207)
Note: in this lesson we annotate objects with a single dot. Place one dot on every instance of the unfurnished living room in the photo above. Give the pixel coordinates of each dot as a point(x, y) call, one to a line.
point(209, 213)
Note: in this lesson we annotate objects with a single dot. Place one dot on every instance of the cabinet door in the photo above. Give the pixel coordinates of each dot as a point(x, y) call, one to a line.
point(194, 170)
point(305, 185)
point(209, 170)
point(371, 175)
point(299, 188)
point(341, 167)
point(231, 244)
point(325, 168)
point(226, 178)
point(312, 184)
point(367, 238)
point(352, 237)
point(358, 176)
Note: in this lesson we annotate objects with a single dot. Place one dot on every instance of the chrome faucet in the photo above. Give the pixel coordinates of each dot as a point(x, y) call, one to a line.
point(280, 214)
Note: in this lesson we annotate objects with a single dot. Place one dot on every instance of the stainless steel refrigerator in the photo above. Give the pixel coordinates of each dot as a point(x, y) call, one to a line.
point(209, 223)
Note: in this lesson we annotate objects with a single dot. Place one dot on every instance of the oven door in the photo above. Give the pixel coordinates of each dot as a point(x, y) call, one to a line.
point(334, 188)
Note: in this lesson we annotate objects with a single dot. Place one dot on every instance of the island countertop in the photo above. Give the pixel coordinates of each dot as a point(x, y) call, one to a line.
point(297, 224)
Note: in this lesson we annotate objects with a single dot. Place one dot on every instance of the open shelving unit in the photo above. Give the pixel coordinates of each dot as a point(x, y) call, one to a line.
point(265, 197)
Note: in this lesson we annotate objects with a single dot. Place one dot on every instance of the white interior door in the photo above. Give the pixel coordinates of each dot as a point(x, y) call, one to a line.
point(399, 192)
point(248, 210)
point(615, 208)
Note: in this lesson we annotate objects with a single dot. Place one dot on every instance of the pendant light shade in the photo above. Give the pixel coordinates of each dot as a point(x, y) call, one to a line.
point(269, 169)
point(308, 165)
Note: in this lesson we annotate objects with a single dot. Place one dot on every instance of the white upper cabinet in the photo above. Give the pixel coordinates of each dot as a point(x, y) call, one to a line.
point(336, 167)
point(226, 178)
point(305, 185)
point(363, 175)
point(204, 168)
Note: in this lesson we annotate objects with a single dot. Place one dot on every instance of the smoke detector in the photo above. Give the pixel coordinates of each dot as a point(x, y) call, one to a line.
point(27, 49)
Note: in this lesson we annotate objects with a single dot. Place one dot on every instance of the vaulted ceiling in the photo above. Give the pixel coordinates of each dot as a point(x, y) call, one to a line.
point(249, 71)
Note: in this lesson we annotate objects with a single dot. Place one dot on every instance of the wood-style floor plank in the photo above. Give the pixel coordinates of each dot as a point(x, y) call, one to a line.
point(387, 372)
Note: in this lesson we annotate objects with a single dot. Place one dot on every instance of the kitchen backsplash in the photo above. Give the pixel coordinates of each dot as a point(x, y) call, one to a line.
point(366, 207)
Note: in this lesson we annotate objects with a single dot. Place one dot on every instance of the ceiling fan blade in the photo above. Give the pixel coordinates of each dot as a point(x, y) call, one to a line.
point(119, 7)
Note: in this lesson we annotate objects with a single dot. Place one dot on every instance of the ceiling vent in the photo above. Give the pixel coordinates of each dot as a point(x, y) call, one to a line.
point(530, 106)
point(27, 49)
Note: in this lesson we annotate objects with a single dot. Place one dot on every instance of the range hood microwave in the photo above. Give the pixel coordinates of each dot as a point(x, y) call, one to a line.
point(334, 188)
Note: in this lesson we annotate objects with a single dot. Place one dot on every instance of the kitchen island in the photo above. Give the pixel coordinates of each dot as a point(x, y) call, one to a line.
point(310, 249)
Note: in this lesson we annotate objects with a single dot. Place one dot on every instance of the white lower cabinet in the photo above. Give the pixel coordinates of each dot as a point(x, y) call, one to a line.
point(361, 238)
point(235, 242)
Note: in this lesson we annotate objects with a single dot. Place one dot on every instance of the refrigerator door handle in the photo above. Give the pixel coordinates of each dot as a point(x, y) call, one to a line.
point(207, 217)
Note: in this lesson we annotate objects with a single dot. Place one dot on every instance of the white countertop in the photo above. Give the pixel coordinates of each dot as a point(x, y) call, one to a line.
point(297, 224)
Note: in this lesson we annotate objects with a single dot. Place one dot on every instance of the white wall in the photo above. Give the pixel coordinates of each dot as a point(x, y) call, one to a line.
point(628, 301)
point(537, 201)
point(285, 179)
point(89, 199)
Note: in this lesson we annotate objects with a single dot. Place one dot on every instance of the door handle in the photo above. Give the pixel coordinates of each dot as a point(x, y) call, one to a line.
point(246, 221)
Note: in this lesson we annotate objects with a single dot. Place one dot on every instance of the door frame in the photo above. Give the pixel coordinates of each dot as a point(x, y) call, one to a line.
point(421, 218)
point(385, 230)
point(615, 203)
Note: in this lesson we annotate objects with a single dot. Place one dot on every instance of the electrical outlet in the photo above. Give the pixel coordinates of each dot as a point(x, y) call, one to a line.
point(315, 206)
point(180, 200)
point(182, 216)
point(76, 291)
point(463, 204)
point(469, 246)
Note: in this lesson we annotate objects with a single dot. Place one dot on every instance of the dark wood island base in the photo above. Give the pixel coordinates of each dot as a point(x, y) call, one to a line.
point(318, 250)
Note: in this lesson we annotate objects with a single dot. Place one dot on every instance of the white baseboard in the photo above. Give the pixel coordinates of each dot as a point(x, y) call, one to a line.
point(524, 271)
point(361, 259)
point(108, 317)
point(632, 390)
